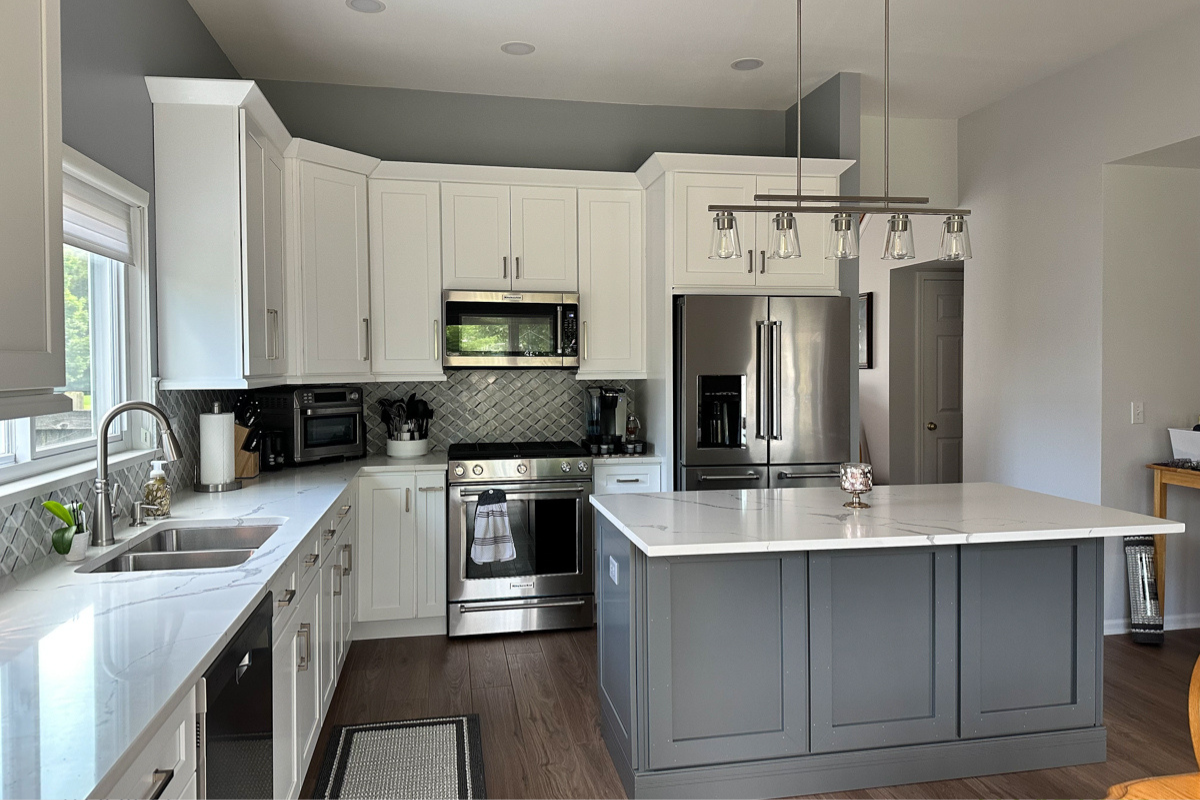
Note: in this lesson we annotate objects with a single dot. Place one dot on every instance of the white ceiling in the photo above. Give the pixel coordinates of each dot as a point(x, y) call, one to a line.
point(949, 57)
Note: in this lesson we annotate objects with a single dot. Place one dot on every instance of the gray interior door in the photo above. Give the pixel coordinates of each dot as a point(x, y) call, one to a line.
point(1030, 613)
point(810, 380)
point(719, 376)
point(940, 381)
point(727, 646)
point(884, 644)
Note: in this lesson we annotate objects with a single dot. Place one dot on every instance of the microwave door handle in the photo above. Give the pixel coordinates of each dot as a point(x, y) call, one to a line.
point(560, 331)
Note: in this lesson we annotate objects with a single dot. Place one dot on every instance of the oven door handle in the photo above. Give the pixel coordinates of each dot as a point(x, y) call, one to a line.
point(325, 412)
point(528, 492)
point(504, 606)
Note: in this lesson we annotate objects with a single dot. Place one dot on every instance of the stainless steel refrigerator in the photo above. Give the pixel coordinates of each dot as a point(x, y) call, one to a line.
point(762, 391)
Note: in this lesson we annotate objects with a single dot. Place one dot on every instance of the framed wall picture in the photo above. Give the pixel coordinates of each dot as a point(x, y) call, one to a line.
point(866, 330)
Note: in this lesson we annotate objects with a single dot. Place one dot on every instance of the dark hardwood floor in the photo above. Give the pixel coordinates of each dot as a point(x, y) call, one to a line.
point(536, 699)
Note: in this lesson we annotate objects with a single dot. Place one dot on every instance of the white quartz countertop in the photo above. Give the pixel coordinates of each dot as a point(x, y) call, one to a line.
point(89, 664)
point(766, 520)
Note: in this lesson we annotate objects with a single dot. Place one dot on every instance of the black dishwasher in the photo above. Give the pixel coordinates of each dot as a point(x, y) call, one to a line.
point(233, 731)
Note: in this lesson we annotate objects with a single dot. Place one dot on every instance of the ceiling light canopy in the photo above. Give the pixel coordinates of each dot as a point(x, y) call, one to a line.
point(747, 64)
point(843, 244)
point(366, 6)
point(517, 48)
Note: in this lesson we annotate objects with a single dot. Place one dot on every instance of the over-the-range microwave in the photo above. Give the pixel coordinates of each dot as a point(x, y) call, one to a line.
point(487, 330)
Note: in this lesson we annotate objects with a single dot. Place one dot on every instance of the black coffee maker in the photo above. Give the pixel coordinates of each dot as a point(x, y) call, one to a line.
point(607, 415)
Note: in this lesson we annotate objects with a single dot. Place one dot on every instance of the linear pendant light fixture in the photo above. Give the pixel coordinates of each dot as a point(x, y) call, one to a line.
point(846, 210)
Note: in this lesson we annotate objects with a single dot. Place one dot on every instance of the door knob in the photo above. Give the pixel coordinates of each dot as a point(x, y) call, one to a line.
point(931, 426)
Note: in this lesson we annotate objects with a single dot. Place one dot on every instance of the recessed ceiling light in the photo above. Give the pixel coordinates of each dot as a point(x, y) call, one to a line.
point(747, 64)
point(517, 48)
point(366, 6)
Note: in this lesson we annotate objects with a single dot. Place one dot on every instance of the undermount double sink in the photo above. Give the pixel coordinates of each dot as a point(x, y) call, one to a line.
point(186, 548)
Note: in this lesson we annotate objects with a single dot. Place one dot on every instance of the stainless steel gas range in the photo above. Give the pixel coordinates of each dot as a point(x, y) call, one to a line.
point(548, 582)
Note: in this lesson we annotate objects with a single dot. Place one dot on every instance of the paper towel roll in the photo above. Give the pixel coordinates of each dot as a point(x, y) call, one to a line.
point(216, 448)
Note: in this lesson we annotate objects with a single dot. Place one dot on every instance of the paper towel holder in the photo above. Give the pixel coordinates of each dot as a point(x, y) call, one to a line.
point(213, 488)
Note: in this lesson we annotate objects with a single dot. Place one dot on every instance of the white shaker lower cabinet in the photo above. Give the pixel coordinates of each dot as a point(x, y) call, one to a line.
point(334, 274)
point(297, 693)
point(402, 568)
point(611, 285)
point(166, 768)
point(634, 475)
point(31, 272)
point(406, 280)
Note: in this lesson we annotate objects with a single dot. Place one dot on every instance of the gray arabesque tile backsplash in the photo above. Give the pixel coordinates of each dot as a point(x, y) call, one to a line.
point(472, 405)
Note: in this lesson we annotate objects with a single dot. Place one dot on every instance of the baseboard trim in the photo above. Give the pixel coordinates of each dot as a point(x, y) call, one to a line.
point(833, 772)
point(400, 628)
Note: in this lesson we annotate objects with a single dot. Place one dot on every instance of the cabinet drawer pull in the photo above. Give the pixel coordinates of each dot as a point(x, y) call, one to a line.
point(311, 559)
point(367, 334)
point(407, 500)
point(329, 534)
point(750, 269)
point(432, 489)
point(336, 569)
point(349, 551)
point(762, 262)
point(302, 662)
point(285, 598)
point(345, 510)
point(503, 266)
point(274, 315)
point(629, 480)
point(517, 268)
point(158, 784)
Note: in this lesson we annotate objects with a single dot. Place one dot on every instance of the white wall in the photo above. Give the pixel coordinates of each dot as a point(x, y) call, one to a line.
point(925, 163)
point(1030, 168)
point(1151, 294)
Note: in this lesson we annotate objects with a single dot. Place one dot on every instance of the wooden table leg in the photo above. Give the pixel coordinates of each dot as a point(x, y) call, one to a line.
point(1160, 542)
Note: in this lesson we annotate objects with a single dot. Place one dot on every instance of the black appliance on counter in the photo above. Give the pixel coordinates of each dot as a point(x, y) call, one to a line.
point(234, 726)
point(308, 424)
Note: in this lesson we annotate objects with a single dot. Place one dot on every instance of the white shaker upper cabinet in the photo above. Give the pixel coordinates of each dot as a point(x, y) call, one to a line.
point(475, 237)
point(262, 232)
point(611, 284)
point(406, 280)
point(693, 224)
point(32, 359)
point(545, 256)
point(334, 272)
point(812, 270)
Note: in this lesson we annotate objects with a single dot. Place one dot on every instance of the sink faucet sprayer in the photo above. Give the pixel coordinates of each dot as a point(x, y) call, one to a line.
point(102, 520)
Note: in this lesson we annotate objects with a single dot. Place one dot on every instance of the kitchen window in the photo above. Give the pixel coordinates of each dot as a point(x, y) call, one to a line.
point(106, 298)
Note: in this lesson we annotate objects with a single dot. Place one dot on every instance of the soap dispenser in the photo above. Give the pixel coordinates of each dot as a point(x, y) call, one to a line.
point(156, 494)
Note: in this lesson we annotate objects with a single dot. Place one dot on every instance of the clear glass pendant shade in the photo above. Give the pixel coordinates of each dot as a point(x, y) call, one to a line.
point(956, 241)
point(725, 242)
point(784, 243)
point(843, 237)
point(899, 243)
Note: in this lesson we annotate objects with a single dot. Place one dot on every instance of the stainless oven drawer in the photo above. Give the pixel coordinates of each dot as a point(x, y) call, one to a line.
point(517, 616)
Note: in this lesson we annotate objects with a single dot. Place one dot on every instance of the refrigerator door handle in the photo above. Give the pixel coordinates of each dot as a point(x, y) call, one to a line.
point(777, 380)
point(763, 385)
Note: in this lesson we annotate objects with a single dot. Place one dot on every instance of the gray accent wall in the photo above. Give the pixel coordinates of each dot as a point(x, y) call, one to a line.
point(108, 47)
point(450, 128)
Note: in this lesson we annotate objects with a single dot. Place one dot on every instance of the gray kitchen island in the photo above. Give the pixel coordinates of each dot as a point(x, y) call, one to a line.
point(767, 643)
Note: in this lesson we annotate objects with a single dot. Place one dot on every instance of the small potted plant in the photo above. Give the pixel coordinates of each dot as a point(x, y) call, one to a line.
point(69, 540)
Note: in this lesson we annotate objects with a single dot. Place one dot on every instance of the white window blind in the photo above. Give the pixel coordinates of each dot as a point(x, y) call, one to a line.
point(96, 221)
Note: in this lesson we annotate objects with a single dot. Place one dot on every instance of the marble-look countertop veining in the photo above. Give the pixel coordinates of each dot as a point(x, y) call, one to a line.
point(764, 520)
point(89, 664)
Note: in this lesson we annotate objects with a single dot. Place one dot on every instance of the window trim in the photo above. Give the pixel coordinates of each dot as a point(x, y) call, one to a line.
point(138, 433)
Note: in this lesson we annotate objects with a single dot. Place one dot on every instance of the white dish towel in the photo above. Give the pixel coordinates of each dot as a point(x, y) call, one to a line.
point(493, 537)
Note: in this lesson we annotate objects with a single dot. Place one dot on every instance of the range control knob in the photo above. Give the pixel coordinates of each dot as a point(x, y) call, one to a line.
point(477, 469)
point(566, 467)
point(460, 470)
point(522, 469)
point(582, 465)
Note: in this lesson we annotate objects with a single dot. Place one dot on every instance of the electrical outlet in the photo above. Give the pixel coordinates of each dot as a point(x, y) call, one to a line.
point(147, 438)
point(613, 571)
point(1137, 412)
